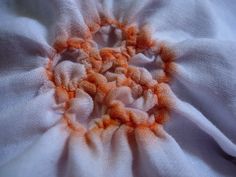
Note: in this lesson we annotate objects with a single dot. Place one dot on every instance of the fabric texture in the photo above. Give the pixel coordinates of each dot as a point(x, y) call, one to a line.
point(178, 120)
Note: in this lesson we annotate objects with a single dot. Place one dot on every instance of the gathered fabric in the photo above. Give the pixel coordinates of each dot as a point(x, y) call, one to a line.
point(117, 88)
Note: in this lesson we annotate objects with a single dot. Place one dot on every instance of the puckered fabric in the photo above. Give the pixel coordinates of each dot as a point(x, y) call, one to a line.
point(117, 88)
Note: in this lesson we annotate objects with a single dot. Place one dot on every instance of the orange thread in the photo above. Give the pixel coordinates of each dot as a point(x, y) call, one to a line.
point(109, 59)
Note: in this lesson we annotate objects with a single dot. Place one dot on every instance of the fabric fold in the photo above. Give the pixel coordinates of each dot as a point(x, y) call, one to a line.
point(117, 88)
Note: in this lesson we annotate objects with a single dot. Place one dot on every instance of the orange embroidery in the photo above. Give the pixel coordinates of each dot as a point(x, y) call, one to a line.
point(115, 61)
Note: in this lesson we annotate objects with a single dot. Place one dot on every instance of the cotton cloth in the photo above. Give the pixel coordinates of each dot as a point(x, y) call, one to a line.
point(199, 137)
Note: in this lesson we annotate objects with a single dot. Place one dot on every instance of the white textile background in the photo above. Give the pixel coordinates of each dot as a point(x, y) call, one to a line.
point(198, 140)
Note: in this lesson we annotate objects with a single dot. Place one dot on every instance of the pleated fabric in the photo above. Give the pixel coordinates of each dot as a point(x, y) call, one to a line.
point(117, 88)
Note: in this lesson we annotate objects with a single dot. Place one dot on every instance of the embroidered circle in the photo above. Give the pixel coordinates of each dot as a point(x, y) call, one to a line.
point(111, 77)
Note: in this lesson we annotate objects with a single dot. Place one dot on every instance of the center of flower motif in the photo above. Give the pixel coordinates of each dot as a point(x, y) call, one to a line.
point(103, 79)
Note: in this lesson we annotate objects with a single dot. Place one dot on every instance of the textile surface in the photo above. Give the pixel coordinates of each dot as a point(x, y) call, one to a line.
point(50, 120)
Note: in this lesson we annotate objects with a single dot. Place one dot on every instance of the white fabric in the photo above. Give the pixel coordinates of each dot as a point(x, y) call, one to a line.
point(198, 139)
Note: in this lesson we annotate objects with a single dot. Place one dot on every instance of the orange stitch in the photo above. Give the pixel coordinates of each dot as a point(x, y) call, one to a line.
point(94, 27)
point(127, 82)
point(116, 61)
point(162, 95)
point(74, 43)
point(106, 66)
point(107, 54)
point(48, 70)
point(162, 116)
point(117, 111)
point(107, 121)
point(97, 78)
point(121, 60)
point(60, 45)
point(96, 64)
point(131, 35)
point(144, 40)
point(49, 75)
point(134, 74)
point(61, 95)
point(104, 88)
point(71, 94)
point(164, 79)
point(86, 46)
point(166, 54)
point(88, 87)
point(69, 123)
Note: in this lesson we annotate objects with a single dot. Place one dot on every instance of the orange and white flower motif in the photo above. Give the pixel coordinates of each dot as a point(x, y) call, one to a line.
point(116, 88)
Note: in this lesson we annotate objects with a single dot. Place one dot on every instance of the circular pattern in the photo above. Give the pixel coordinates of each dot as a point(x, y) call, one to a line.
point(102, 79)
